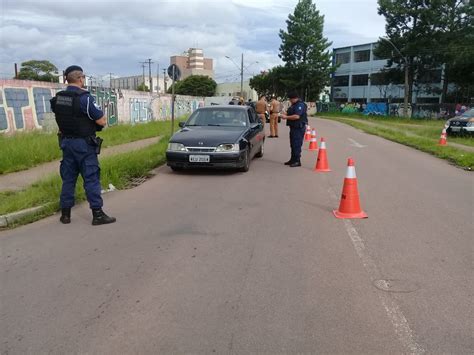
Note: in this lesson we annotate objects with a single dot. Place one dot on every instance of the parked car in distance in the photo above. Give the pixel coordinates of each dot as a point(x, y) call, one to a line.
point(462, 124)
point(220, 136)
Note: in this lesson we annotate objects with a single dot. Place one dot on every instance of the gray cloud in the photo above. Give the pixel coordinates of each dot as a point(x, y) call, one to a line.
point(113, 36)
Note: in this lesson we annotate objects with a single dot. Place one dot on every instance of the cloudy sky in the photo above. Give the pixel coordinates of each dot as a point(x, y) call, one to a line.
point(106, 36)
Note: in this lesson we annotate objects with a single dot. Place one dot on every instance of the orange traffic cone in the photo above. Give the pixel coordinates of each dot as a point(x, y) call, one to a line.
point(322, 164)
point(443, 139)
point(313, 143)
point(350, 206)
point(307, 135)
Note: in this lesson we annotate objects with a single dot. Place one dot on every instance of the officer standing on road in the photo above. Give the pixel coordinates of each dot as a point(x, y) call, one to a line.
point(261, 107)
point(78, 119)
point(274, 112)
point(297, 119)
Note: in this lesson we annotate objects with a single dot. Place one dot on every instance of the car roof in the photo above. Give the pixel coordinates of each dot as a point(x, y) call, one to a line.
point(231, 107)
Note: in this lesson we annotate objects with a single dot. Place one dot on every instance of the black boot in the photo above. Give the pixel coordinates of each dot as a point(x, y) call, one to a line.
point(65, 216)
point(99, 217)
point(295, 164)
point(289, 162)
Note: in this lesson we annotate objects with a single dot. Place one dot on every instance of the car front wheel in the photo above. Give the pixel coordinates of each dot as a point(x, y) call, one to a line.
point(246, 166)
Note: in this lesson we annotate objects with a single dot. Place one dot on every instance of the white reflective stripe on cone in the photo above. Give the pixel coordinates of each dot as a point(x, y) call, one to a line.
point(351, 172)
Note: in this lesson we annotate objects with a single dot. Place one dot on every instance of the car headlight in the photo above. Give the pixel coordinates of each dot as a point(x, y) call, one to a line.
point(176, 147)
point(228, 148)
point(470, 124)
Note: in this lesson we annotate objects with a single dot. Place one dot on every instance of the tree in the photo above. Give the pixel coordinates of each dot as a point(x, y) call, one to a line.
point(38, 70)
point(142, 87)
point(195, 85)
point(430, 34)
point(305, 51)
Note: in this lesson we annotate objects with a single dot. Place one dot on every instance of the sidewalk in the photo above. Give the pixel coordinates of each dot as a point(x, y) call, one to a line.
point(22, 179)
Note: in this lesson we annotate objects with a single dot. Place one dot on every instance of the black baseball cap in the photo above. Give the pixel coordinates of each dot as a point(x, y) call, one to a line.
point(293, 95)
point(71, 69)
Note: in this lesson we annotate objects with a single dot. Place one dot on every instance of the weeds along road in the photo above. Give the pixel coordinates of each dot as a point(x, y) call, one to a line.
point(254, 262)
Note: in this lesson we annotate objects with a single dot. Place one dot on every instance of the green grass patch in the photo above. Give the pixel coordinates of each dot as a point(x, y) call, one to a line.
point(426, 141)
point(25, 150)
point(116, 170)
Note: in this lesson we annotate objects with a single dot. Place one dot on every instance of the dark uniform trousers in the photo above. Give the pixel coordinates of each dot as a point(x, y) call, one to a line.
point(296, 140)
point(79, 157)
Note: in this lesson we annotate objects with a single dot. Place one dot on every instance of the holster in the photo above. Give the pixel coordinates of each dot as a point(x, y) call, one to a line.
point(96, 142)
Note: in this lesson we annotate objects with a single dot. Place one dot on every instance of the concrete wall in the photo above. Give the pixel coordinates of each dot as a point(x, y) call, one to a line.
point(25, 104)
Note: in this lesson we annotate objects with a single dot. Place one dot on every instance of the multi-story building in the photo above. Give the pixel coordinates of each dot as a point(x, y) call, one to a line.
point(357, 79)
point(159, 84)
point(193, 62)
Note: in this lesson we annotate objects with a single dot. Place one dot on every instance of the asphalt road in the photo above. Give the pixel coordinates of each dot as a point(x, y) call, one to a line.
point(216, 262)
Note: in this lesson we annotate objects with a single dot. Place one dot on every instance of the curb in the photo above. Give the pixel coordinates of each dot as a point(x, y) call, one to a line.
point(8, 219)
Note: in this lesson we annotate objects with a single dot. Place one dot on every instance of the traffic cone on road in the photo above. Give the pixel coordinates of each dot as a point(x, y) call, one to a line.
point(443, 139)
point(313, 143)
point(350, 206)
point(307, 135)
point(322, 164)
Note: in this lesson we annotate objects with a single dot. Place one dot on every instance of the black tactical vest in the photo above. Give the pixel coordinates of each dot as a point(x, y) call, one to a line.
point(302, 121)
point(72, 122)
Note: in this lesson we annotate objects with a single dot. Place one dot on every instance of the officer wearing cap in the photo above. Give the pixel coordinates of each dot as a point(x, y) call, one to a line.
point(297, 119)
point(78, 119)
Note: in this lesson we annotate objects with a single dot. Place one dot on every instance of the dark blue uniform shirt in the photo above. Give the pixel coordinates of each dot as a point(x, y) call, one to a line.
point(88, 104)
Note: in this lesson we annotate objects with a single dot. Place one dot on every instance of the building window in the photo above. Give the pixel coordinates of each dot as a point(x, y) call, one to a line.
point(362, 56)
point(379, 79)
point(360, 80)
point(341, 80)
point(343, 58)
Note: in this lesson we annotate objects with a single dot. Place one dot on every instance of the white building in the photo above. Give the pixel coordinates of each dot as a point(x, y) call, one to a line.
point(356, 80)
point(159, 84)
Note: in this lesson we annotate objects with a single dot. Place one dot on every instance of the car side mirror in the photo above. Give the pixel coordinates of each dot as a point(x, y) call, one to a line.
point(256, 125)
point(182, 124)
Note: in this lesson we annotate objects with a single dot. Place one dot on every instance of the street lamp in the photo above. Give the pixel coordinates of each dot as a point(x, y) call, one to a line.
point(241, 72)
point(241, 68)
point(405, 101)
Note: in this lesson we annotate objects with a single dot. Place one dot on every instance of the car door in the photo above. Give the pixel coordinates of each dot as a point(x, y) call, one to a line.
point(255, 134)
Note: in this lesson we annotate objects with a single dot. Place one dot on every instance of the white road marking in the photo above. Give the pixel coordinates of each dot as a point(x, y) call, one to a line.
point(356, 144)
point(399, 322)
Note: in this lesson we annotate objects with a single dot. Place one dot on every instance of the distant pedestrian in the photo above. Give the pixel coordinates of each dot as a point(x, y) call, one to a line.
point(274, 113)
point(296, 118)
point(78, 119)
point(261, 108)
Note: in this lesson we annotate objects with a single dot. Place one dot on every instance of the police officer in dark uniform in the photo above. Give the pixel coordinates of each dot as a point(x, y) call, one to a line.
point(78, 119)
point(297, 119)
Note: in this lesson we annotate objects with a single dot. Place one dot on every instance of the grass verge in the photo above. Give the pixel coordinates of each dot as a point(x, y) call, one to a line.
point(421, 127)
point(116, 170)
point(25, 150)
point(428, 144)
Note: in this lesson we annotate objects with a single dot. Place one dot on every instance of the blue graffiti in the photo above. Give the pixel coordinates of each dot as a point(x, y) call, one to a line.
point(3, 114)
point(17, 99)
point(139, 110)
point(42, 105)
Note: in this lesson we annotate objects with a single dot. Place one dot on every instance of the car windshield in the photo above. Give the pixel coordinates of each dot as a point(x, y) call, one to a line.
point(469, 113)
point(218, 117)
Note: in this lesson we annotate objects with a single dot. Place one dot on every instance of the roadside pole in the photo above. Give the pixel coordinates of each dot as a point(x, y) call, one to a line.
point(172, 102)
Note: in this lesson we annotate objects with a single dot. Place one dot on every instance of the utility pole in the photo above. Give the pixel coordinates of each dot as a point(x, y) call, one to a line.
point(150, 80)
point(158, 78)
point(164, 80)
point(110, 81)
point(143, 67)
point(242, 76)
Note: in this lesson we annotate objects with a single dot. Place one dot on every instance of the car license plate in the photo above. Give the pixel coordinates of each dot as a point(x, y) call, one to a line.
point(455, 129)
point(199, 158)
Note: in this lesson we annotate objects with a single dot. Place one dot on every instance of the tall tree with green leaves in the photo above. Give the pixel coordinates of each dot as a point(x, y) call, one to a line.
point(195, 85)
point(305, 52)
point(38, 70)
point(428, 35)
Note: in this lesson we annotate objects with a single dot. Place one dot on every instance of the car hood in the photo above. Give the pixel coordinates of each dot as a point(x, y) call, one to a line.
point(207, 136)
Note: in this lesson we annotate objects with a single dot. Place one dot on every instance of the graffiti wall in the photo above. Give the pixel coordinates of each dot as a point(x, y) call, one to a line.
point(24, 103)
